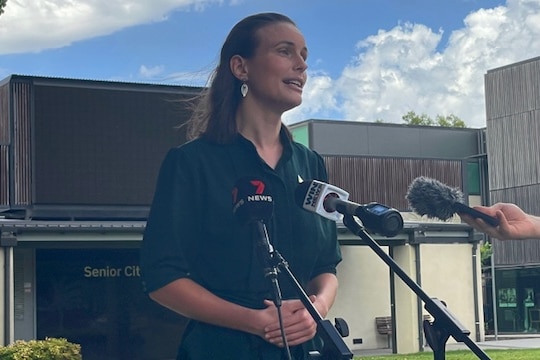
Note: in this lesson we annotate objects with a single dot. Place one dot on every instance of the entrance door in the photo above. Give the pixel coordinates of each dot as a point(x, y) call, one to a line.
point(94, 297)
point(24, 294)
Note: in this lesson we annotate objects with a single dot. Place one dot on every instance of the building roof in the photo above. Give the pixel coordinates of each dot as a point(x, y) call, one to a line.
point(41, 230)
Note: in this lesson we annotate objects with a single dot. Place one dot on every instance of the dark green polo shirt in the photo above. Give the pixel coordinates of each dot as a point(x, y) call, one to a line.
point(191, 232)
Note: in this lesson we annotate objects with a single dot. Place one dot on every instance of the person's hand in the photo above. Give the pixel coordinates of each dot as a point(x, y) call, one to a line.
point(514, 223)
point(298, 323)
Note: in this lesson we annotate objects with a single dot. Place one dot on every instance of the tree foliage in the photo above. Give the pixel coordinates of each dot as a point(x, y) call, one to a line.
point(486, 251)
point(412, 118)
point(2, 6)
point(450, 121)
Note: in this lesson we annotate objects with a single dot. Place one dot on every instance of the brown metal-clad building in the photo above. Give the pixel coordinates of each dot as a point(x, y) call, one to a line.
point(79, 161)
point(91, 148)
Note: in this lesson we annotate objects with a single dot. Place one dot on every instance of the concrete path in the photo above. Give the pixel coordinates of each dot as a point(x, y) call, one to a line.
point(502, 342)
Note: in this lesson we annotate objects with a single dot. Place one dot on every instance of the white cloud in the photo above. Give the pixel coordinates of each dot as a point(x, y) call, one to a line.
point(394, 71)
point(189, 78)
point(150, 72)
point(318, 98)
point(35, 25)
point(399, 70)
point(157, 74)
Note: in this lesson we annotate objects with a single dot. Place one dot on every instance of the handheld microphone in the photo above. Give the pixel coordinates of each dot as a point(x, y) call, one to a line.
point(330, 201)
point(430, 197)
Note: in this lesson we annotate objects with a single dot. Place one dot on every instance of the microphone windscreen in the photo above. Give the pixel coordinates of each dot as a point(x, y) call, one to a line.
point(430, 197)
point(251, 200)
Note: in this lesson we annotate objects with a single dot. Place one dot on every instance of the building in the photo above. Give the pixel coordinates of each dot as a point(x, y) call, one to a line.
point(513, 147)
point(78, 163)
point(377, 162)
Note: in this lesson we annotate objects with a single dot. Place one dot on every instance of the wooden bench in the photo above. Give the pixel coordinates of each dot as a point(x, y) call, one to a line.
point(384, 326)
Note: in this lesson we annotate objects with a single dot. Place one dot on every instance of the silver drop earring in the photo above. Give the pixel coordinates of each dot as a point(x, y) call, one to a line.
point(244, 89)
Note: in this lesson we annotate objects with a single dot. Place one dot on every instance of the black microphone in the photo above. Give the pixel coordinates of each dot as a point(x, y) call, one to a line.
point(251, 201)
point(430, 197)
point(253, 206)
point(329, 200)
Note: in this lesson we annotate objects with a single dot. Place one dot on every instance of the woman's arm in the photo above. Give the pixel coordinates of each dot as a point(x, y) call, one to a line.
point(324, 290)
point(186, 297)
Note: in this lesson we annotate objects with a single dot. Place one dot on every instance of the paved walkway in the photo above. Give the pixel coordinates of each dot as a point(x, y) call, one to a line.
point(502, 342)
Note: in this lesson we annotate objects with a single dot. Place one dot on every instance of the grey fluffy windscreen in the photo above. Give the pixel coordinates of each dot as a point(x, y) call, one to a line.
point(430, 197)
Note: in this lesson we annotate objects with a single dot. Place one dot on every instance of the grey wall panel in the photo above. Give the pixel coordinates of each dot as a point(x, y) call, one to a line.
point(375, 139)
point(338, 137)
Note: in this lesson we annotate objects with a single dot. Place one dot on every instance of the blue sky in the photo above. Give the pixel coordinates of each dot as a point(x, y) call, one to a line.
point(369, 59)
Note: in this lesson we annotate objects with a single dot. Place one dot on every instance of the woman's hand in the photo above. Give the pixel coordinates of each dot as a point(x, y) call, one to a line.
point(298, 324)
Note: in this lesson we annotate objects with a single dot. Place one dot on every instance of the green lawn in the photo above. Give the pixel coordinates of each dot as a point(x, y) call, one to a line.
point(527, 354)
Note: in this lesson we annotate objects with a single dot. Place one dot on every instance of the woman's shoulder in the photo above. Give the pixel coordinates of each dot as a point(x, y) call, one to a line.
point(185, 153)
point(191, 147)
point(304, 151)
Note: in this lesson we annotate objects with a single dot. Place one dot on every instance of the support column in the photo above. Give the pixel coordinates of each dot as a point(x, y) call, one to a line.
point(406, 302)
point(2, 297)
point(7, 242)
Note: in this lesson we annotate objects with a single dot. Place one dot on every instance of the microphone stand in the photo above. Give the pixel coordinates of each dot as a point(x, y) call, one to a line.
point(334, 347)
point(445, 324)
point(266, 251)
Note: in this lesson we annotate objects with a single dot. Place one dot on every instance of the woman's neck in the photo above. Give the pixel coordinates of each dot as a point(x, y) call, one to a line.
point(264, 134)
point(260, 128)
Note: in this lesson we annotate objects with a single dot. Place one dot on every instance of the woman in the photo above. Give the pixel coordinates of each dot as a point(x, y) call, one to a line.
point(196, 259)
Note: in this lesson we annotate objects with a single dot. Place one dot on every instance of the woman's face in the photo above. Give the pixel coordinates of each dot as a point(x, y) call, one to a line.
point(277, 71)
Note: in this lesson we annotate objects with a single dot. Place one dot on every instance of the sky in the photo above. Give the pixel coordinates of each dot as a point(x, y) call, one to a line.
point(369, 60)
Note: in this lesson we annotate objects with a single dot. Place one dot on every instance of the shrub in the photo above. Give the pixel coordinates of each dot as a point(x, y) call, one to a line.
point(48, 349)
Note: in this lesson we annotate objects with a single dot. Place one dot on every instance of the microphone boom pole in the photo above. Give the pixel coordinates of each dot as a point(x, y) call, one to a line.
point(445, 324)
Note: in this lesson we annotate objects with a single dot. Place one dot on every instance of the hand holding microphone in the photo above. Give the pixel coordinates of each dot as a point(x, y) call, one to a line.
point(436, 200)
point(514, 223)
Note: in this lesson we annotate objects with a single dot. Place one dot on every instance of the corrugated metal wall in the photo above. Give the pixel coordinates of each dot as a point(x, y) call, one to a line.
point(4, 145)
point(15, 149)
point(386, 180)
point(513, 143)
point(22, 152)
point(74, 148)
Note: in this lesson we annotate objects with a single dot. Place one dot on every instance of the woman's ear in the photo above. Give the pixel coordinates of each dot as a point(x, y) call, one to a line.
point(239, 67)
